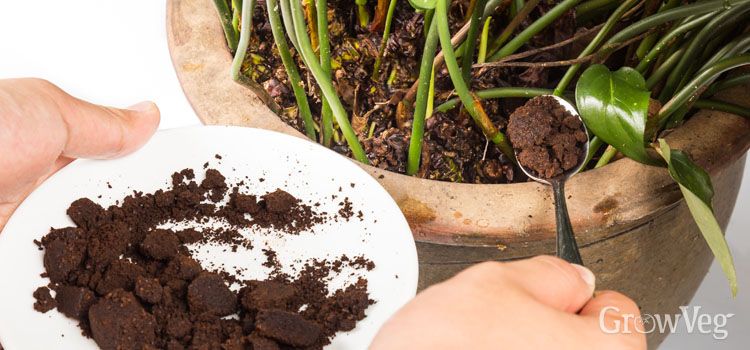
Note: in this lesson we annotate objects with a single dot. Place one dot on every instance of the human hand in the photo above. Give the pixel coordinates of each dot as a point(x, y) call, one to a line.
point(42, 129)
point(525, 304)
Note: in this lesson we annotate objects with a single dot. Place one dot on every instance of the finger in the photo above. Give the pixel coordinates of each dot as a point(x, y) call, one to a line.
point(100, 132)
point(617, 315)
point(553, 281)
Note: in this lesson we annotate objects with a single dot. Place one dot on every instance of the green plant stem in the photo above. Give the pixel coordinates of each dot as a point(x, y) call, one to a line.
point(430, 95)
point(737, 46)
point(428, 16)
point(727, 83)
point(696, 9)
point(682, 69)
point(225, 17)
point(286, 17)
point(336, 137)
point(236, 9)
point(648, 42)
point(511, 27)
point(491, 6)
point(471, 40)
point(312, 22)
point(626, 5)
point(391, 77)
point(522, 14)
point(471, 7)
point(457, 38)
point(244, 43)
point(362, 14)
point(687, 94)
point(659, 47)
point(372, 130)
point(589, 16)
point(723, 107)
point(291, 69)
point(606, 157)
point(499, 92)
point(664, 68)
point(534, 28)
point(645, 46)
point(420, 105)
point(386, 33)
point(518, 4)
point(594, 144)
point(714, 44)
point(308, 55)
point(482, 55)
point(468, 100)
point(326, 115)
point(587, 8)
point(675, 45)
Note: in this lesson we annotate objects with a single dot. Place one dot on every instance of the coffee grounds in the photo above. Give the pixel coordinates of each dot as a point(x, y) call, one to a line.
point(548, 138)
point(133, 284)
point(44, 300)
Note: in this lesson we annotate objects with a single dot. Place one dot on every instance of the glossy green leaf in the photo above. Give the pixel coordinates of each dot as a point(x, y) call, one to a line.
point(696, 187)
point(614, 106)
point(423, 4)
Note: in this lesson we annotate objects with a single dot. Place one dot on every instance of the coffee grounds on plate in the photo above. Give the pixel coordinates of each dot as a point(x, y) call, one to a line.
point(44, 300)
point(548, 138)
point(133, 284)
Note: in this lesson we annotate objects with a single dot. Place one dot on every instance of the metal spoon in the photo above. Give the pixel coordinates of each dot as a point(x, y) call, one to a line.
point(567, 249)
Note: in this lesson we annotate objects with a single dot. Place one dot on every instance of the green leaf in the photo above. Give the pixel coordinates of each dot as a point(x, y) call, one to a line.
point(423, 4)
point(614, 106)
point(696, 187)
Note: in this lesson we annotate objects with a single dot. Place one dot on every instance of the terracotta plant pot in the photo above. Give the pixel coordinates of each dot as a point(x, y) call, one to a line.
point(633, 227)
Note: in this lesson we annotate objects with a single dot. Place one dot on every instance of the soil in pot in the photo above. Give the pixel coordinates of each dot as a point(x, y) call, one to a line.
point(454, 149)
point(548, 138)
point(133, 284)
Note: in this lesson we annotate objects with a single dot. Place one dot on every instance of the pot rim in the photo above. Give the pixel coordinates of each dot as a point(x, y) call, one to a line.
point(601, 201)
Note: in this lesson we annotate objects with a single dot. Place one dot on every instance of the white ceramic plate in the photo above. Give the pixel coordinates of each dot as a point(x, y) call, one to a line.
point(306, 170)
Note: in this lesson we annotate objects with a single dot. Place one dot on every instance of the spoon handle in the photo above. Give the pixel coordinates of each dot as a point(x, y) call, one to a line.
point(567, 249)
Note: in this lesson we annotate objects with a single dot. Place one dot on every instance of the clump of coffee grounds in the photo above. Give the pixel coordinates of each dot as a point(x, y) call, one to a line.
point(548, 139)
point(133, 284)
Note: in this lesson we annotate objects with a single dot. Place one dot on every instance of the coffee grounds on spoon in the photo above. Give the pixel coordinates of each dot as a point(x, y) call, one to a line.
point(548, 138)
point(132, 285)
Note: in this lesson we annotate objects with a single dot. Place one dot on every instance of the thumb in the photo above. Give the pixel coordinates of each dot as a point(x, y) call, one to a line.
point(100, 132)
point(612, 309)
point(553, 281)
point(618, 315)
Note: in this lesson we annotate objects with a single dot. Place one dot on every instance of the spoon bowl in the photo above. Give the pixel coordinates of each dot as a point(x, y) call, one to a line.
point(582, 159)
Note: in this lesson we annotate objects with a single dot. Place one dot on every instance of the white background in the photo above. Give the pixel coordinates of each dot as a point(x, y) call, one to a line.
point(115, 53)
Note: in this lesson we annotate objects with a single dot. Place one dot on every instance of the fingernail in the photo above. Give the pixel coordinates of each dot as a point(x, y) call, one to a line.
point(586, 275)
point(142, 106)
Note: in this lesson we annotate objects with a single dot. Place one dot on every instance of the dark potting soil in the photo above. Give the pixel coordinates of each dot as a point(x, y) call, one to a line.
point(132, 285)
point(548, 138)
point(454, 148)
